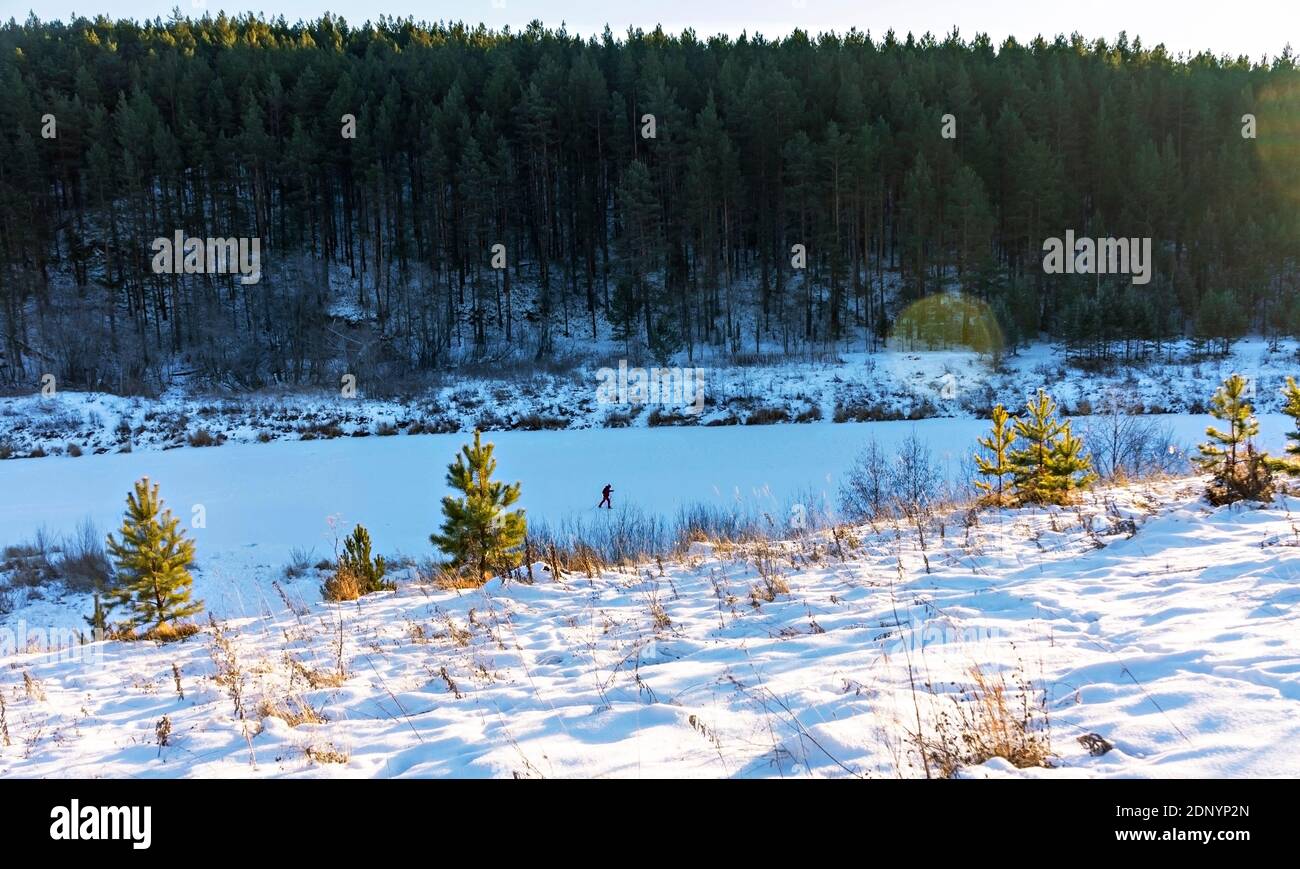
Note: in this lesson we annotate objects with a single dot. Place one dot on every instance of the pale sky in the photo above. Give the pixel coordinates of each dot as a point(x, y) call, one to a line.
point(1251, 27)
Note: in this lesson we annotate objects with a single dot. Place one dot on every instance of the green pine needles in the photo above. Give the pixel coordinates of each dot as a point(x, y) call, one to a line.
point(152, 559)
point(480, 532)
point(357, 560)
point(1048, 467)
point(1238, 471)
point(1036, 459)
point(356, 571)
point(1290, 465)
point(997, 463)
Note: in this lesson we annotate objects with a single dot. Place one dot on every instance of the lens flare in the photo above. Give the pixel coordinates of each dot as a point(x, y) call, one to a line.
point(1277, 114)
point(945, 321)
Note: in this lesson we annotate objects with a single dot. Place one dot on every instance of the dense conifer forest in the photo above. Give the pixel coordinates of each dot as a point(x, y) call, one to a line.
point(646, 188)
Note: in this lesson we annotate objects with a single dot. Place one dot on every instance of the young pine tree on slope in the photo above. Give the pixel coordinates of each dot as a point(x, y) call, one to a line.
point(1070, 468)
point(1239, 472)
point(997, 464)
point(1291, 407)
point(1051, 465)
point(479, 530)
point(152, 562)
point(356, 571)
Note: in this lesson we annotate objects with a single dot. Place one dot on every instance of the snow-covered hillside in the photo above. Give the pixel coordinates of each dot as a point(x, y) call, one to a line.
point(1167, 628)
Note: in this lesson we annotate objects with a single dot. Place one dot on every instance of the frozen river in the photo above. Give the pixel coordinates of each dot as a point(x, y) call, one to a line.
point(277, 496)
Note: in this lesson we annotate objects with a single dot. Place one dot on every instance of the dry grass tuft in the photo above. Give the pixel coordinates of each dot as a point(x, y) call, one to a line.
point(167, 632)
point(341, 585)
point(32, 688)
point(163, 731)
point(326, 753)
point(315, 677)
point(293, 711)
point(988, 718)
point(452, 580)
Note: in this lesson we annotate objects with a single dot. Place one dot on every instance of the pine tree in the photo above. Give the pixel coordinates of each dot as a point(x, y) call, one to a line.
point(1030, 468)
point(1069, 467)
point(358, 563)
point(1291, 407)
point(997, 465)
point(1051, 465)
point(639, 245)
point(1224, 449)
point(1238, 471)
point(152, 561)
point(479, 530)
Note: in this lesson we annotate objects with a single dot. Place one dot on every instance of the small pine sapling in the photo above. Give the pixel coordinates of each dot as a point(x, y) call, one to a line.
point(997, 464)
point(152, 562)
point(479, 530)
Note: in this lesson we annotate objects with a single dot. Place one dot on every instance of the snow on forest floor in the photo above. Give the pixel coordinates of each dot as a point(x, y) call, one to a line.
point(1166, 627)
point(896, 384)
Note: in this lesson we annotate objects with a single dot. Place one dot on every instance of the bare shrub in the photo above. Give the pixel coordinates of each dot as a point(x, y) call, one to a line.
point(83, 564)
point(766, 415)
point(866, 492)
point(1126, 445)
point(878, 487)
point(540, 422)
point(300, 561)
point(860, 410)
point(915, 479)
point(203, 438)
point(30, 564)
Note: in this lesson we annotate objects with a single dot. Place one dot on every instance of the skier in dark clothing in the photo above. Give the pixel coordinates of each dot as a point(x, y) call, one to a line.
point(605, 502)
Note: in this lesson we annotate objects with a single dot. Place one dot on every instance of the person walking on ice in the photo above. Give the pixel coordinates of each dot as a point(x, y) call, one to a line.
point(605, 502)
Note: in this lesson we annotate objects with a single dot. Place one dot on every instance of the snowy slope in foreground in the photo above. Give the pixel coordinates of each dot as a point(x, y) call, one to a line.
point(1178, 644)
